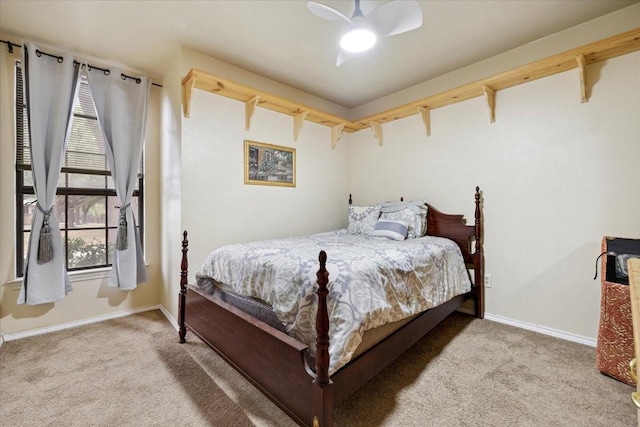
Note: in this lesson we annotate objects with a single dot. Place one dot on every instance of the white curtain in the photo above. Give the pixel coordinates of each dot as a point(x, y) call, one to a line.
point(50, 86)
point(121, 105)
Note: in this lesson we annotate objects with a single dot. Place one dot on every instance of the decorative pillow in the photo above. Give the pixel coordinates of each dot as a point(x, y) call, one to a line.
point(408, 216)
point(362, 219)
point(396, 230)
point(423, 219)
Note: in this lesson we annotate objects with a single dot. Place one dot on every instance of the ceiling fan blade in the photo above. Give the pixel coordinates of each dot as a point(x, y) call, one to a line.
point(343, 57)
point(327, 12)
point(395, 17)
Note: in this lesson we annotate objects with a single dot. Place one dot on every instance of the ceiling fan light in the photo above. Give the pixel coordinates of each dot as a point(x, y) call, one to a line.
point(358, 40)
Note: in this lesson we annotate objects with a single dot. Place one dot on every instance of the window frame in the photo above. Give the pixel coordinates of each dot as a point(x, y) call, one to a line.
point(22, 190)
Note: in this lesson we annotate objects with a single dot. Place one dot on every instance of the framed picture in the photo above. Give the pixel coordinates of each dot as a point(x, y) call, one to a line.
point(266, 164)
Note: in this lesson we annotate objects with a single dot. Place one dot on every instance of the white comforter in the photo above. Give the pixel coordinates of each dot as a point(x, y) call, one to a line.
point(372, 281)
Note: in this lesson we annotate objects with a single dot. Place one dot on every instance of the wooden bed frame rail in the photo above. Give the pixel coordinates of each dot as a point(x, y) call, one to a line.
point(275, 362)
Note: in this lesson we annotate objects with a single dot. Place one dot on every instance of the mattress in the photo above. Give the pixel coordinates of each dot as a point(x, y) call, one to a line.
point(264, 312)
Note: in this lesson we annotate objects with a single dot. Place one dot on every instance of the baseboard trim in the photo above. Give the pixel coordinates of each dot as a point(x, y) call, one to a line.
point(76, 323)
point(494, 318)
point(169, 317)
point(591, 342)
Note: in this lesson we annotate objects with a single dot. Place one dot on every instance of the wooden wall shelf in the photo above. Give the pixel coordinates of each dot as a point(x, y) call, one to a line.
point(611, 47)
point(202, 80)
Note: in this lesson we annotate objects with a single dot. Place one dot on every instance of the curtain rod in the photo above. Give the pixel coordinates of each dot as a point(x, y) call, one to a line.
point(106, 71)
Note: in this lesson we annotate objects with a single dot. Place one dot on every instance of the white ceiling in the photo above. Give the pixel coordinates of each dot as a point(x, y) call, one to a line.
point(283, 41)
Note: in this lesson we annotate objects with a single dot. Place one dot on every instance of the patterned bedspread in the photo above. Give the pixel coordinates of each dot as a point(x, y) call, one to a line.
point(372, 281)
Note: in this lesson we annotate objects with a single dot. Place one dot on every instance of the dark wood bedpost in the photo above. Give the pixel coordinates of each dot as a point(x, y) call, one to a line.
point(323, 396)
point(322, 323)
point(184, 267)
point(479, 259)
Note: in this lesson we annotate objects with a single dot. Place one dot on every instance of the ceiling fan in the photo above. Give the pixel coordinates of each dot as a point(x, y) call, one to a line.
point(391, 18)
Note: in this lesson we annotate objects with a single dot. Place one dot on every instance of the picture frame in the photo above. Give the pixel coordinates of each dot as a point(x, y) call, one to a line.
point(268, 164)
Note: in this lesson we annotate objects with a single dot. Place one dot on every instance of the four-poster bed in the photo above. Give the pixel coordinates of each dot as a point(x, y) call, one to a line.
point(279, 365)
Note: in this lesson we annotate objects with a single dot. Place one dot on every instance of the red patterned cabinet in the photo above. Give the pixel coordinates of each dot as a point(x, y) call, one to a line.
point(615, 333)
point(634, 288)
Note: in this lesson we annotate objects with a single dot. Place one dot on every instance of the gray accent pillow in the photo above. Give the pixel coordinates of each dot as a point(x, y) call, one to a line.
point(395, 230)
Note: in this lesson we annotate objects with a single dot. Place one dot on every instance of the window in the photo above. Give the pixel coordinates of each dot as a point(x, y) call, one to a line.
point(86, 204)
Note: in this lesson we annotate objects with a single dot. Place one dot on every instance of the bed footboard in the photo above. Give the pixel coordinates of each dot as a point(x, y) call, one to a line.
point(270, 359)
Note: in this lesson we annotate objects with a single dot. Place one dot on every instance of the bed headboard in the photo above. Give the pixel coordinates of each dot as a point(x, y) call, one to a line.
point(454, 227)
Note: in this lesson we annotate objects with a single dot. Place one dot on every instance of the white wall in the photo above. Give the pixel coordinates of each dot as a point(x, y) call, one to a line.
point(91, 297)
point(556, 174)
point(171, 173)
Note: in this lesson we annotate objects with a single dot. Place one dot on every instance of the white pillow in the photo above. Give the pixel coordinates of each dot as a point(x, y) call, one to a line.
point(391, 229)
point(362, 219)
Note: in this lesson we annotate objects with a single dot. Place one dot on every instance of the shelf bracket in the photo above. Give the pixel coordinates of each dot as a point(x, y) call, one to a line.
point(490, 95)
point(187, 88)
point(582, 67)
point(336, 133)
point(248, 111)
point(377, 131)
point(298, 120)
point(425, 112)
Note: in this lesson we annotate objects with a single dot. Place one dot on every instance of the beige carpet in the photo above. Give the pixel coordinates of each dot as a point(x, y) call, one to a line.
point(132, 372)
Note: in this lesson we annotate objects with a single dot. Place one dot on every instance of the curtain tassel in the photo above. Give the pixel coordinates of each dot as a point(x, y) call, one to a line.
point(121, 239)
point(45, 245)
